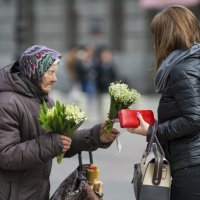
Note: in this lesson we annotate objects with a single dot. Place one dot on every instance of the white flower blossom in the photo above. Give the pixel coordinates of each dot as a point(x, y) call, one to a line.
point(121, 98)
point(122, 94)
point(50, 112)
point(62, 119)
point(74, 113)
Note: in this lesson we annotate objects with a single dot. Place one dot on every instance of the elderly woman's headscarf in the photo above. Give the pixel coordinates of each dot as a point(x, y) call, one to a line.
point(36, 60)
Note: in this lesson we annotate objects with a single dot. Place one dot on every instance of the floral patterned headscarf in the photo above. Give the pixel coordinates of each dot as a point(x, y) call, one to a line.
point(36, 60)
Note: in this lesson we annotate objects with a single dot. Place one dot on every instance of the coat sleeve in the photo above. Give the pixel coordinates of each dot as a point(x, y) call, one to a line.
point(86, 140)
point(186, 93)
point(17, 155)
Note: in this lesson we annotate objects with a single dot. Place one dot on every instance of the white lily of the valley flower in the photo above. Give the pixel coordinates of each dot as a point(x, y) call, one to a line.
point(121, 93)
point(62, 119)
point(74, 113)
point(121, 97)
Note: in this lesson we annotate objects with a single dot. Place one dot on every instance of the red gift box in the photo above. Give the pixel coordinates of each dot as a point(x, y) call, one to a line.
point(128, 118)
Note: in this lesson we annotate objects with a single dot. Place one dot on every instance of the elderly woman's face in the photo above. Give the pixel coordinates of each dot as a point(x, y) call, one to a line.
point(49, 78)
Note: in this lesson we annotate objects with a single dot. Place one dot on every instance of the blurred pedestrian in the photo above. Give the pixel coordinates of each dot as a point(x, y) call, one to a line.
point(26, 151)
point(70, 62)
point(176, 33)
point(86, 77)
point(105, 74)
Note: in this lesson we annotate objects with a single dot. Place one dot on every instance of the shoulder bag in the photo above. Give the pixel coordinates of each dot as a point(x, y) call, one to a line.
point(76, 186)
point(152, 176)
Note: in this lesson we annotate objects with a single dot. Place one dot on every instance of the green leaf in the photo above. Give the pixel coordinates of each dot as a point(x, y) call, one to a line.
point(59, 158)
point(54, 120)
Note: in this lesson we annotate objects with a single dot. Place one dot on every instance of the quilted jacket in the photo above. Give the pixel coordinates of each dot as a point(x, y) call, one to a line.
point(179, 114)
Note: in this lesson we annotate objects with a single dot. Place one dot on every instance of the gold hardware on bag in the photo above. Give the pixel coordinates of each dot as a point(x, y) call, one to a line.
point(156, 181)
point(98, 187)
point(164, 172)
point(92, 174)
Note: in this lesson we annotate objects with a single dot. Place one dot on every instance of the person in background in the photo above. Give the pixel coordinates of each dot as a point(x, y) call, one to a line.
point(71, 62)
point(85, 71)
point(105, 74)
point(86, 78)
point(26, 151)
point(176, 33)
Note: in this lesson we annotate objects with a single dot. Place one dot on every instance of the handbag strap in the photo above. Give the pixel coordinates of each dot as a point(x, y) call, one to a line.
point(159, 145)
point(80, 158)
point(157, 174)
point(151, 140)
point(154, 139)
point(159, 154)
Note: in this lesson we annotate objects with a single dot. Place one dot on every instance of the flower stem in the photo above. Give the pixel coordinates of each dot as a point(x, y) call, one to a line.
point(60, 157)
point(108, 127)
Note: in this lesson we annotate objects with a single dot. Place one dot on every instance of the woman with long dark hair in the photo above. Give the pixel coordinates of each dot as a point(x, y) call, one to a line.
point(176, 33)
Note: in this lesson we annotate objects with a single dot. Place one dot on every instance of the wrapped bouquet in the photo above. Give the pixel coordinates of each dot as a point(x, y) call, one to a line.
point(62, 119)
point(121, 97)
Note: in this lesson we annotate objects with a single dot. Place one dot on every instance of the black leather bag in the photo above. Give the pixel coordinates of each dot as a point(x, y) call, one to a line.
point(75, 186)
point(152, 176)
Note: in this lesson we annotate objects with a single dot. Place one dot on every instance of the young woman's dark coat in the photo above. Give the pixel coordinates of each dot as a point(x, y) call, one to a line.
point(179, 114)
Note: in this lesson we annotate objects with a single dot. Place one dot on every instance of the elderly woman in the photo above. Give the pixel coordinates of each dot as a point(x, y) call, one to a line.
point(26, 151)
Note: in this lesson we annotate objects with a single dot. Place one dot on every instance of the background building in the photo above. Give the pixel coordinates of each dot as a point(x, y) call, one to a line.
point(121, 24)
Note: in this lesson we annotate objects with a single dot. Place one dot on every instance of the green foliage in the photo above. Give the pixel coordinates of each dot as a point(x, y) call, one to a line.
point(62, 119)
point(121, 97)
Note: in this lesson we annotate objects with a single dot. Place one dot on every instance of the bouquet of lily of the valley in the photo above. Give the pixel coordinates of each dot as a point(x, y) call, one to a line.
point(62, 119)
point(121, 97)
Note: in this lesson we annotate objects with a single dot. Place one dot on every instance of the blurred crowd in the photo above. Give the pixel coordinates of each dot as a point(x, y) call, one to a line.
point(91, 70)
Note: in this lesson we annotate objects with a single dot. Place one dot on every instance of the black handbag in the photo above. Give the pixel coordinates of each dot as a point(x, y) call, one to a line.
point(75, 186)
point(152, 176)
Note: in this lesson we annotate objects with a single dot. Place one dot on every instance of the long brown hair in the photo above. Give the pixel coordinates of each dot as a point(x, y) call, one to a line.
point(176, 27)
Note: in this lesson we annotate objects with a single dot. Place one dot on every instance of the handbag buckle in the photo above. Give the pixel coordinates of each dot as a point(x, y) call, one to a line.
point(164, 172)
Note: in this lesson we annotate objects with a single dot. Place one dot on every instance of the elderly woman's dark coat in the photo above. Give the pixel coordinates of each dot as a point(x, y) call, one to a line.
point(26, 151)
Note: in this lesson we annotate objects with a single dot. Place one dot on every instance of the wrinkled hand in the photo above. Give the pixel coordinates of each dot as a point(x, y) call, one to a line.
point(142, 128)
point(109, 137)
point(66, 142)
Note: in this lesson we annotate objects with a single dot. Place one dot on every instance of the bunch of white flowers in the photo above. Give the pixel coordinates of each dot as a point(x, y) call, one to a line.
point(121, 98)
point(122, 94)
point(74, 113)
point(62, 119)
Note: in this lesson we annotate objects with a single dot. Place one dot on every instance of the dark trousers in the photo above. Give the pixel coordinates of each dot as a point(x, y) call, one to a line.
point(186, 184)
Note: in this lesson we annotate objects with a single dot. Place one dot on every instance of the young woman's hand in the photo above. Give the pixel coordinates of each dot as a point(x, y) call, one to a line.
point(142, 128)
